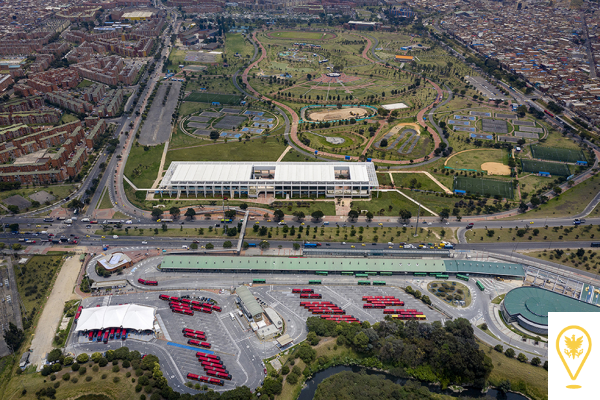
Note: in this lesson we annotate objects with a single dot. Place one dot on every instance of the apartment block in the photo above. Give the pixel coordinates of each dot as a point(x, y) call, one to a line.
point(68, 102)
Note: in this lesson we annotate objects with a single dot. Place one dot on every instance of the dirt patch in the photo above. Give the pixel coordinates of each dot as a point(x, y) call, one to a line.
point(399, 127)
point(53, 311)
point(495, 168)
point(343, 78)
point(336, 114)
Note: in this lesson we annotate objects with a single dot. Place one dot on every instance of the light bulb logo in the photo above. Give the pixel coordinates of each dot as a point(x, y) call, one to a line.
point(573, 345)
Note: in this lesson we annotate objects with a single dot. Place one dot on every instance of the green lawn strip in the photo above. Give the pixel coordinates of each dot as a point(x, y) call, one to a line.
point(525, 378)
point(84, 83)
point(366, 235)
point(181, 232)
point(66, 118)
point(390, 202)
point(120, 215)
point(235, 43)
point(588, 261)
point(181, 140)
point(498, 299)
point(142, 166)
point(512, 234)
point(58, 191)
point(33, 278)
point(423, 182)
point(572, 201)
point(191, 107)
point(294, 156)
point(105, 200)
point(519, 332)
point(488, 332)
point(268, 149)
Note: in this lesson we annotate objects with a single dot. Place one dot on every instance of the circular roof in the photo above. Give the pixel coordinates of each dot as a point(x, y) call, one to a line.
point(534, 304)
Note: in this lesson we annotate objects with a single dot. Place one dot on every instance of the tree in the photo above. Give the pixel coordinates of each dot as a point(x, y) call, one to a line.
point(209, 246)
point(17, 246)
point(14, 337)
point(54, 355)
point(535, 361)
point(75, 203)
point(156, 213)
point(484, 326)
point(510, 353)
point(299, 215)
point(353, 215)
point(214, 135)
point(174, 211)
point(499, 348)
point(190, 212)
point(522, 357)
point(264, 245)
point(557, 190)
point(369, 216)
point(317, 215)
point(504, 386)
point(278, 214)
point(535, 201)
point(82, 358)
point(227, 244)
point(13, 209)
point(405, 215)
point(194, 246)
point(444, 214)
point(230, 214)
point(244, 206)
point(523, 207)
point(14, 227)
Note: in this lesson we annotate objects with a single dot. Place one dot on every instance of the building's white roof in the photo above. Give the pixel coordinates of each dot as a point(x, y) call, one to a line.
point(394, 106)
point(129, 316)
point(115, 260)
point(137, 14)
point(186, 173)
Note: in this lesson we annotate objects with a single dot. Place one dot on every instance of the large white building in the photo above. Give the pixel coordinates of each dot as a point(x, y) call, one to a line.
point(279, 179)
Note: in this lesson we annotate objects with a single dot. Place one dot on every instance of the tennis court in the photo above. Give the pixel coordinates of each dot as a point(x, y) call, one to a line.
point(199, 119)
point(252, 112)
point(524, 123)
point(199, 125)
point(480, 114)
point(557, 154)
point(480, 136)
point(507, 116)
point(484, 187)
point(213, 98)
point(543, 166)
point(463, 129)
point(494, 125)
point(230, 122)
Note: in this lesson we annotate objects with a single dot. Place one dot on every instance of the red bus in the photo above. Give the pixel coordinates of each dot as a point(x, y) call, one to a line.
point(193, 331)
point(296, 290)
point(194, 342)
point(315, 296)
point(193, 377)
point(367, 305)
point(206, 345)
point(197, 308)
point(182, 311)
point(174, 298)
point(213, 356)
point(378, 305)
point(210, 360)
point(305, 296)
point(203, 359)
point(105, 338)
point(223, 375)
point(186, 301)
point(211, 373)
point(207, 310)
point(151, 283)
point(209, 364)
point(118, 333)
point(112, 333)
point(196, 303)
point(91, 335)
point(216, 381)
point(206, 305)
point(188, 330)
point(164, 297)
point(140, 280)
point(308, 290)
point(216, 308)
point(194, 336)
point(204, 379)
point(222, 370)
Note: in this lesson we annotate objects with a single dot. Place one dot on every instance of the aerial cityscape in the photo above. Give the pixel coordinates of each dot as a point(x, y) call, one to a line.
point(338, 199)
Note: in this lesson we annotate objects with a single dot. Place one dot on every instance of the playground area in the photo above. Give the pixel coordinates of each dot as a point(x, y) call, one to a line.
point(333, 113)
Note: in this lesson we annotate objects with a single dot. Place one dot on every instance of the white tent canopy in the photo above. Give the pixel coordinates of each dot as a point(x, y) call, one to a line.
point(129, 316)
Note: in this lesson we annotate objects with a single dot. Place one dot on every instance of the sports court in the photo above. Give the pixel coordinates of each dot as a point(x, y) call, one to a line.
point(231, 135)
point(528, 135)
point(199, 125)
point(557, 154)
point(211, 114)
point(463, 129)
point(453, 122)
point(524, 123)
point(484, 187)
point(256, 113)
point(262, 119)
point(494, 125)
point(543, 166)
point(510, 139)
point(201, 132)
point(231, 110)
point(197, 56)
point(256, 131)
point(230, 122)
point(464, 117)
point(507, 116)
point(203, 97)
point(479, 136)
point(264, 126)
point(480, 113)
point(200, 119)
point(530, 129)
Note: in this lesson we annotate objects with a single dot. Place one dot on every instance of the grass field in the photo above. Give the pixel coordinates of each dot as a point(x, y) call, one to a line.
point(235, 43)
point(33, 280)
point(142, 166)
point(450, 289)
point(59, 191)
point(422, 182)
point(587, 262)
point(191, 107)
point(534, 233)
point(390, 202)
point(201, 97)
point(104, 200)
point(268, 149)
point(174, 232)
point(298, 35)
point(543, 166)
point(66, 118)
point(474, 159)
point(557, 154)
point(530, 380)
point(484, 187)
point(85, 83)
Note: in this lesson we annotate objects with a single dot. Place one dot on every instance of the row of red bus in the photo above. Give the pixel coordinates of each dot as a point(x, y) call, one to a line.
point(367, 298)
point(340, 318)
point(148, 283)
point(107, 334)
point(400, 311)
point(407, 317)
point(190, 333)
point(310, 296)
point(194, 342)
point(388, 301)
point(189, 302)
point(303, 290)
point(205, 379)
point(321, 307)
point(213, 365)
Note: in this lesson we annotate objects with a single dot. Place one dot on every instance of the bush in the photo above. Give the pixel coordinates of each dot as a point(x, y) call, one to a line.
point(56, 385)
point(148, 389)
point(128, 374)
point(53, 377)
point(535, 361)
point(285, 370)
point(499, 348)
point(116, 379)
point(484, 326)
point(56, 367)
point(522, 357)
point(75, 367)
point(296, 370)
point(155, 396)
point(46, 370)
point(138, 388)
point(139, 372)
point(88, 378)
point(54, 355)
point(143, 380)
point(96, 357)
point(104, 376)
point(509, 353)
point(103, 362)
point(66, 377)
point(115, 362)
point(115, 368)
point(74, 379)
point(68, 361)
point(292, 379)
point(142, 396)
point(95, 368)
point(126, 364)
point(82, 370)
point(83, 358)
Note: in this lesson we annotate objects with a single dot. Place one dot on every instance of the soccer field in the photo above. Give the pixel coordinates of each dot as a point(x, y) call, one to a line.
point(484, 187)
point(557, 154)
point(543, 166)
point(213, 97)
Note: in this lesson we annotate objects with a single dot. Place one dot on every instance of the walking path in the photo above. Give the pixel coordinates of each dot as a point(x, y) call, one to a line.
point(287, 149)
point(444, 188)
point(411, 199)
point(150, 194)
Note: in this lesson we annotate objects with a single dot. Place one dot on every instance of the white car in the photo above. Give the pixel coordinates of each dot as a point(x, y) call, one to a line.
point(115, 236)
point(144, 242)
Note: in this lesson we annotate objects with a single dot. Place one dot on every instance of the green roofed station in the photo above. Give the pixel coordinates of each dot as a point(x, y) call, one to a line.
point(296, 265)
point(529, 307)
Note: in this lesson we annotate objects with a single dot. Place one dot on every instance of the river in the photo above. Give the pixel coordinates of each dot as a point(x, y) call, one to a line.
point(308, 392)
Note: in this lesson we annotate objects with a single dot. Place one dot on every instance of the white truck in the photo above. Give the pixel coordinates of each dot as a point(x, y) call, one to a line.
point(68, 221)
